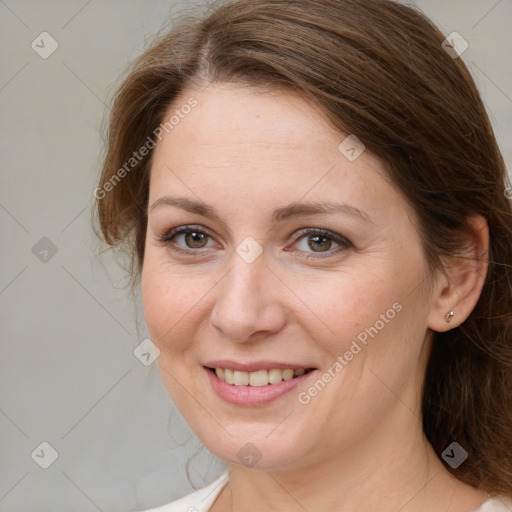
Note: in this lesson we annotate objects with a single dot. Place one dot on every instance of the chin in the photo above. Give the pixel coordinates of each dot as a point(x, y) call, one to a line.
point(257, 449)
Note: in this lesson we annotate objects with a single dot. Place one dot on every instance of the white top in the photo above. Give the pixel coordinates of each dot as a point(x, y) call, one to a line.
point(198, 501)
point(202, 499)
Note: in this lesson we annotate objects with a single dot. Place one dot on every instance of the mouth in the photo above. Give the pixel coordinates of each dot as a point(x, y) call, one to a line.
point(259, 378)
point(258, 387)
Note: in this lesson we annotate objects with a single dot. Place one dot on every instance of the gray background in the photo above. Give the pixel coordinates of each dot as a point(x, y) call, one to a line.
point(68, 375)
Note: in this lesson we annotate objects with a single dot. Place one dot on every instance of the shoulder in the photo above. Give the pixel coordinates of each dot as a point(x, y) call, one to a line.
point(198, 501)
point(496, 504)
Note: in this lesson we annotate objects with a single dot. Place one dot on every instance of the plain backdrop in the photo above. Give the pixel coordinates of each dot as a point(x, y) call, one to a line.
point(68, 374)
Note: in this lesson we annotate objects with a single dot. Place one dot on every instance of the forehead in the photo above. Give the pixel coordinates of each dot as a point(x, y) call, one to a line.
point(243, 145)
point(228, 116)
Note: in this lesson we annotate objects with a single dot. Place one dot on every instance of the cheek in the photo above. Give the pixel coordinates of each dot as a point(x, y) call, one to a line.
point(342, 304)
point(373, 333)
point(364, 320)
point(170, 302)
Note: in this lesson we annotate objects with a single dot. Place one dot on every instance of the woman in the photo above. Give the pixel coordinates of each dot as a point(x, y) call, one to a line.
point(317, 210)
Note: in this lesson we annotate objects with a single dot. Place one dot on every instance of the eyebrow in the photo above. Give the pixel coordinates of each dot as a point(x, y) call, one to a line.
point(291, 210)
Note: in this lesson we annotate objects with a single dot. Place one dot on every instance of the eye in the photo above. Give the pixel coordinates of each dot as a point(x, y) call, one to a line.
point(191, 237)
point(318, 241)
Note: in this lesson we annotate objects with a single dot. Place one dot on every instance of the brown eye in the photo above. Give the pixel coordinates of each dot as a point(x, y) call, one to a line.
point(188, 239)
point(196, 240)
point(319, 243)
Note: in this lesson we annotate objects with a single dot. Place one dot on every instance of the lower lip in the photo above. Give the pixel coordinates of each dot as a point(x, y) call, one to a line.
point(251, 396)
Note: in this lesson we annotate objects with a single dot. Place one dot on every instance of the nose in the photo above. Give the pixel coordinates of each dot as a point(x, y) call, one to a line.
point(248, 303)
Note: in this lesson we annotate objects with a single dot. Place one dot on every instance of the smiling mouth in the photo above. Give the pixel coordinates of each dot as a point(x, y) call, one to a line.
point(258, 378)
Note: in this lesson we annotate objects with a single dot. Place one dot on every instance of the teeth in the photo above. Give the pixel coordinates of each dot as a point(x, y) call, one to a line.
point(228, 376)
point(287, 374)
point(275, 376)
point(258, 378)
point(240, 378)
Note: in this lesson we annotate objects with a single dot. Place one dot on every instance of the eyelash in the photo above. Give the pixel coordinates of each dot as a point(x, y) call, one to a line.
point(345, 244)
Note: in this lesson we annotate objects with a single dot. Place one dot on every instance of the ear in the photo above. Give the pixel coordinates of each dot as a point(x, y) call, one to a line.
point(460, 285)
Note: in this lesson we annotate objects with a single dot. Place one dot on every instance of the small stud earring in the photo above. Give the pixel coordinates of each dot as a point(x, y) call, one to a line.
point(449, 316)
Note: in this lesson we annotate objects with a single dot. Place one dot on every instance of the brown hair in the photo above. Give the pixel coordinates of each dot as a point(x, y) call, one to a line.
point(377, 69)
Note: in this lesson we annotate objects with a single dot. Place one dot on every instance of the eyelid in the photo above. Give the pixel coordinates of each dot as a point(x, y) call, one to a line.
point(321, 231)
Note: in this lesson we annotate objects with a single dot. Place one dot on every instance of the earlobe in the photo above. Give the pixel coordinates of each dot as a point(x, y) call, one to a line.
point(459, 289)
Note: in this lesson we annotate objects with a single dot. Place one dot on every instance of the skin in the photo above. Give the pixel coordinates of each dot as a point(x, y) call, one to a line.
point(358, 444)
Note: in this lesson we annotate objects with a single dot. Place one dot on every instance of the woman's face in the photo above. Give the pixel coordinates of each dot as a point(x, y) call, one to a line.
point(263, 280)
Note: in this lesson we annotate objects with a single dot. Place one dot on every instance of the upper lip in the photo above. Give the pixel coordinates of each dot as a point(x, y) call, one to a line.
point(255, 365)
